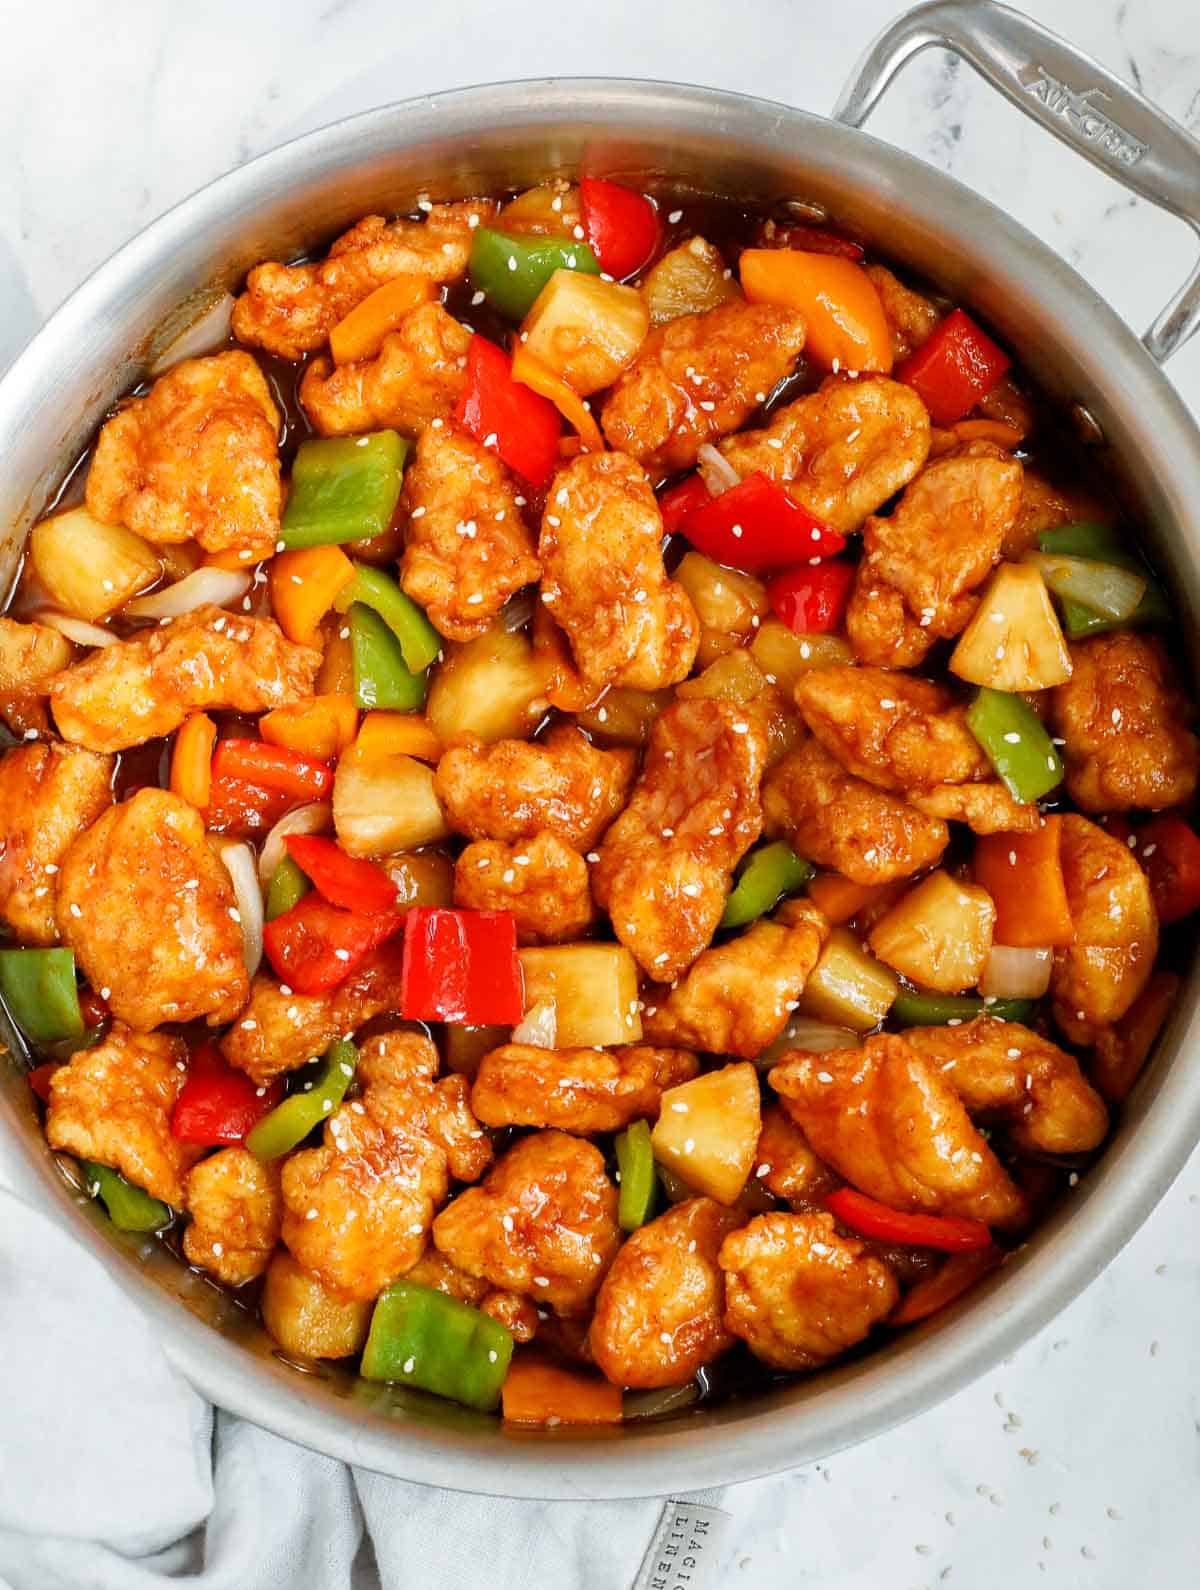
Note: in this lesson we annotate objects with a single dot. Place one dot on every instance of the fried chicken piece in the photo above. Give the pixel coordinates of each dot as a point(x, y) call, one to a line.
point(305, 1318)
point(868, 835)
point(1121, 1051)
point(798, 1294)
point(1003, 1071)
point(279, 1031)
point(150, 913)
point(1124, 720)
point(357, 1210)
point(30, 656)
point(542, 881)
point(1046, 506)
point(841, 451)
point(517, 1314)
point(196, 459)
point(1115, 932)
point(399, 1071)
point(113, 1104)
point(885, 1118)
point(543, 1222)
point(515, 790)
point(737, 997)
point(665, 864)
point(786, 1164)
point(985, 808)
point(576, 1090)
point(925, 561)
point(467, 548)
point(603, 578)
point(207, 661)
point(291, 309)
point(234, 1201)
point(910, 316)
point(659, 1313)
point(698, 378)
point(418, 376)
point(49, 794)
point(433, 1269)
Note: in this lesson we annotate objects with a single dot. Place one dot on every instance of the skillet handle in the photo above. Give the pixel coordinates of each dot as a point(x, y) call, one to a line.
point(1067, 93)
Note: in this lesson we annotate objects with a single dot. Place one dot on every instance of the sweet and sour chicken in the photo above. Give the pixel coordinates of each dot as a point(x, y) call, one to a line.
point(584, 806)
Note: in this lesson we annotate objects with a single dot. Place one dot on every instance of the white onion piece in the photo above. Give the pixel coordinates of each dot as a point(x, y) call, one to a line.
point(539, 1027)
point(204, 335)
point(716, 471)
point(238, 860)
point(77, 629)
point(218, 586)
point(518, 610)
point(817, 1037)
point(1016, 973)
point(660, 1402)
point(314, 818)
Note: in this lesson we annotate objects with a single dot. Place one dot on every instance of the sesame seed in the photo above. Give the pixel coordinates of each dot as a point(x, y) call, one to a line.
point(689, 1146)
point(675, 217)
point(540, 1280)
point(218, 1249)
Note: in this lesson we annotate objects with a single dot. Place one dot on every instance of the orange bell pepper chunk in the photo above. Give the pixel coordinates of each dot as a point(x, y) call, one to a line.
point(1123, 1050)
point(322, 726)
point(839, 899)
point(231, 560)
point(304, 585)
point(536, 374)
point(957, 1275)
point(996, 431)
point(1023, 874)
point(539, 1392)
point(360, 334)
point(191, 760)
point(847, 329)
point(386, 734)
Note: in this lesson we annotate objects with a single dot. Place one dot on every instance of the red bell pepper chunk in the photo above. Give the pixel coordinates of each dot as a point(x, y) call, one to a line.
point(954, 368)
point(93, 1008)
point(758, 525)
point(343, 880)
point(238, 807)
point(681, 501)
point(218, 1104)
point(315, 946)
point(812, 601)
point(461, 966)
point(1169, 850)
point(505, 414)
point(949, 1233)
point(272, 767)
point(39, 1079)
point(621, 226)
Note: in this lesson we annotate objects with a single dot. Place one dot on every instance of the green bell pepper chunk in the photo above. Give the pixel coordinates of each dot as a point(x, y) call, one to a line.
point(771, 872)
point(635, 1162)
point(381, 677)
point(343, 489)
point(936, 1010)
point(1018, 747)
point(1105, 544)
point(421, 1337)
point(287, 888)
point(290, 1123)
point(41, 994)
point(511, 271)
point(420, 644)
point(129, 1208)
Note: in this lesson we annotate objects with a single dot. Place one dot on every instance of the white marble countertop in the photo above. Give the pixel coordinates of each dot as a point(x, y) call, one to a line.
point(1076, 1463)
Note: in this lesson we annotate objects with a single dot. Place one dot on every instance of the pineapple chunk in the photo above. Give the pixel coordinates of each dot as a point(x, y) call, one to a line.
point(737, 677)
point(552, 209)
point(729, 605)
point(90, 569)
point(783, 655)
point(687, 281)
point(493, 688)
point(623, 716)
point(708, 1129)
point(848, 987)
point(336, 675)
point(1014, 642)
point(587, 330)
point(307, 1320)
point(464, 1047)
point(593, 988)
point(939, 935)
point(422, 877)
point(385, 805)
